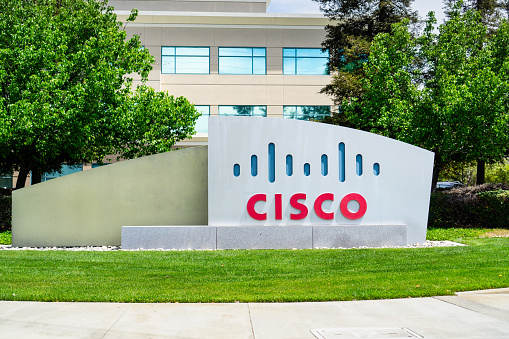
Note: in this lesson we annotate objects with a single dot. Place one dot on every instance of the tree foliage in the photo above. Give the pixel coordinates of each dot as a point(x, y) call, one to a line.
point(492, 11)
point(446, 91)
point(65, 91)
point(348, 39)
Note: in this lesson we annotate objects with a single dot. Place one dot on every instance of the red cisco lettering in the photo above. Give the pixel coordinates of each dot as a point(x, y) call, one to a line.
point(279, 206)
point(318, 206)
point(363, 206)
point(251, 207)
point(294, 202)
point(298, 206)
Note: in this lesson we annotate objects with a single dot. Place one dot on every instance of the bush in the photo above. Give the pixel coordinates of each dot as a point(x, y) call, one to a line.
point(483, 206)
point(5, 238)
point(5, 213)
point(5, 191)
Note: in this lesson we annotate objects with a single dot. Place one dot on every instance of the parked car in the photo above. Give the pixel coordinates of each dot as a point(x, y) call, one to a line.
point(446, 185)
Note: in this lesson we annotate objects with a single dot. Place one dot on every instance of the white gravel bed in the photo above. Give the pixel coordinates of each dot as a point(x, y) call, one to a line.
point(428, 243)
point(78, 248)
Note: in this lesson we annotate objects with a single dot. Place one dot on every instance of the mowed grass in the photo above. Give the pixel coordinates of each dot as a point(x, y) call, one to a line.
point(253, 275)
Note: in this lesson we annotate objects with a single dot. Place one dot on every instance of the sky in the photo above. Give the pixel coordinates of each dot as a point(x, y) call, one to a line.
point(311, 7)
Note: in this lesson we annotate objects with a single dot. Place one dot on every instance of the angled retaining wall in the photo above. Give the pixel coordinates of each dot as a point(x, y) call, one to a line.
point(90, 207)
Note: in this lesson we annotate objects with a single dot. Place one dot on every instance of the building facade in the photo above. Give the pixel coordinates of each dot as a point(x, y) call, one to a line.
point(231, 57)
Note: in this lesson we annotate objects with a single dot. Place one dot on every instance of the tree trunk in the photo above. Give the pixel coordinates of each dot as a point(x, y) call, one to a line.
point(436, 171)
point(481, 172)
point(36, 176)
point(22, 177)
point(437, 167)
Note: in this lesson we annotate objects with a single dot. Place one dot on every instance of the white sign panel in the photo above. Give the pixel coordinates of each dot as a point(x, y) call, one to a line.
point(282, 172)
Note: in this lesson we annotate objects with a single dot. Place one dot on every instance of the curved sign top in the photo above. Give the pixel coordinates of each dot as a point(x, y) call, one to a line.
point(282, 172)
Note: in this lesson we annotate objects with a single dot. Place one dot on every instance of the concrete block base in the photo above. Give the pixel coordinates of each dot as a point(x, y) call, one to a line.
point(168, 237)
point(262, 237)
point(359, 236)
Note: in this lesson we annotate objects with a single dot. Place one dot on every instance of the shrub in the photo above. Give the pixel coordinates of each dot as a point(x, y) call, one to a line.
point(483, 206)
point(5, 191)
point(5, 238)
point(5, 213)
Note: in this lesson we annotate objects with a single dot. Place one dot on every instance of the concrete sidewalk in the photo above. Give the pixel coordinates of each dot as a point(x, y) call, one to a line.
point(478, 314)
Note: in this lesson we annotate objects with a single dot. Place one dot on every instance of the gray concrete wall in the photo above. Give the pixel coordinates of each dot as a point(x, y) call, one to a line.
point(89, 208)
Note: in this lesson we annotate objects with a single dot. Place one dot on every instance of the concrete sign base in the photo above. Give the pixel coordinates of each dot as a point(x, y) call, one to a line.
point(262, 237)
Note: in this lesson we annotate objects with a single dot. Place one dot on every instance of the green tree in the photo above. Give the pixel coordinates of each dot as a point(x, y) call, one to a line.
point(348, 39)
point(65, 93)
point(445, 91)
point(491, 13)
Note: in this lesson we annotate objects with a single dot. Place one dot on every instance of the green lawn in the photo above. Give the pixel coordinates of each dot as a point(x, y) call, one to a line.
point(253, 275)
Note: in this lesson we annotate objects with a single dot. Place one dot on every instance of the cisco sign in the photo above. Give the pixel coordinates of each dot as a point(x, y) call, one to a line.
point(281, 172)
point(262, 183)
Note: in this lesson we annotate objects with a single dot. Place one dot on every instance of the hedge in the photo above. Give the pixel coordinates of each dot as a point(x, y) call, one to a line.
point(5, 212)
point(484, 206)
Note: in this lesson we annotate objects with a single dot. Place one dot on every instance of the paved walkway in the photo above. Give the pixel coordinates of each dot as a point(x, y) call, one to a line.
point(478, 314)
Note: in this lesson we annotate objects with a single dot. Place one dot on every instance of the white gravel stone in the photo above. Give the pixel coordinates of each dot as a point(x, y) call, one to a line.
point(427, 244)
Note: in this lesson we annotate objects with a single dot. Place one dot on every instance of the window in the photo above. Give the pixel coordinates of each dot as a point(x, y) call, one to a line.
point(6, 181)
point(202, 124)
point(305, 61)
point(185, 60)
point(66, 169)
point(96, 165)
point(259, 111)
point(306, 112)
point(242, 60)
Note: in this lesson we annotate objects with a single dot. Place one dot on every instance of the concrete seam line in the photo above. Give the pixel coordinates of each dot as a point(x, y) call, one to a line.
point(250, 319)
point(116, 321)
point(475, 307)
